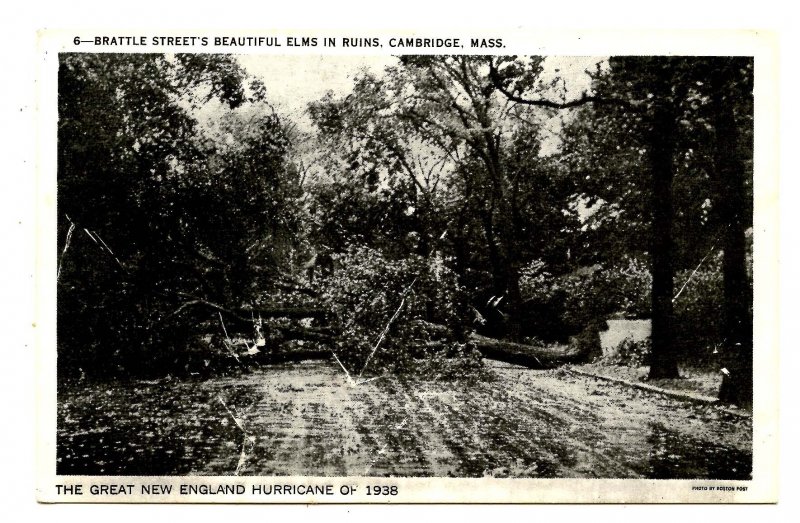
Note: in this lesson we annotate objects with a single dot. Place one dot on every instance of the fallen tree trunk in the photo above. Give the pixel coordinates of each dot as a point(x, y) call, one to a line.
point(531, 356)
point(248, 314)
point(321, 334)
point(281, 312)
point(235, 325)
point(292, 356)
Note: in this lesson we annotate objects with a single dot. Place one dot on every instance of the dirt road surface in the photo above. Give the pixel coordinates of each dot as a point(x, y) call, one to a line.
point(306, 419)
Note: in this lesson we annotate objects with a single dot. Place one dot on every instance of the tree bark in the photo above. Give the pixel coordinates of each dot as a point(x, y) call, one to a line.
point(502, 241)
point(732, 204)
point(239, 326)
point(247, 315)
point(531, 356)
point(664, 362)
point(505, 271)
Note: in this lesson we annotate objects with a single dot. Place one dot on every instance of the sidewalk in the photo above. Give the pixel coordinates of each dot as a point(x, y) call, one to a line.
point(695, 385)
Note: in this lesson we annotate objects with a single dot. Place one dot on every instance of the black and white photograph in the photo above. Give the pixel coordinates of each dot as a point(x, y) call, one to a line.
point(405, 266)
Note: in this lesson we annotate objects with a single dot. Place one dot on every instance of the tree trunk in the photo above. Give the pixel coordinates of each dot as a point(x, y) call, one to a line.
point(514, 303)
point(531, 356)
point(663, 363)
point(495, 257)
point(247, 315)
point(459, 240)
point(732, 204)
point(503, 248)
point(505, 272)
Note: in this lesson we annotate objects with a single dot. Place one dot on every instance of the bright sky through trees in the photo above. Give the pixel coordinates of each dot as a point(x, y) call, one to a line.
point(292, 81)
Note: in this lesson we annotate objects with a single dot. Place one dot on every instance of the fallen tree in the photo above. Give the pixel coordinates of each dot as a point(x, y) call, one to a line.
point(296, 313)
point(280, 334)
point(247, 314)
point(531, 356)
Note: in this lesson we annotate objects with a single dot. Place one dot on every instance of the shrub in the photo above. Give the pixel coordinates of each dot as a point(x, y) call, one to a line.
point(565, 305)
point(575, 300)
point(699, 313)
point(629, 353)
point(588, 341)
point(631, 283)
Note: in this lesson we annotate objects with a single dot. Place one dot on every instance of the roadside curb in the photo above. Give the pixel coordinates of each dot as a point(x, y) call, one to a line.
point(683, 396)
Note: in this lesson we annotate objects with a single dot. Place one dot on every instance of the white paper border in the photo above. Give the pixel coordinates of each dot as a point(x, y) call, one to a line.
point(762, 45)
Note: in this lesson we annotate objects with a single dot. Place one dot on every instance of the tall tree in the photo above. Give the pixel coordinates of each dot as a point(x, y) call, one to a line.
point(435, 133)
point(694, 119)
point(731, 92)
point(652, 88)
point(449, 101)
point(377, 156)
point(666, 95)
point(137, 175)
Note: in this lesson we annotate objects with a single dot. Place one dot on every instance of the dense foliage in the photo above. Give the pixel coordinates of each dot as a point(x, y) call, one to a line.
point(397, 315)
point(161, 210)
point(441, 196)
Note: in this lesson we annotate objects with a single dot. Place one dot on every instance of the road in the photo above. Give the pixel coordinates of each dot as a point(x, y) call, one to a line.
point(305, 419)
